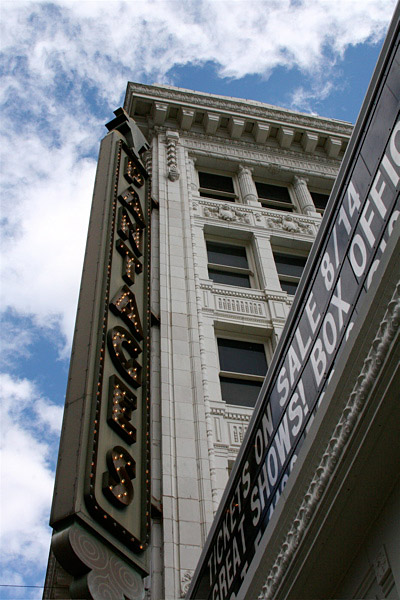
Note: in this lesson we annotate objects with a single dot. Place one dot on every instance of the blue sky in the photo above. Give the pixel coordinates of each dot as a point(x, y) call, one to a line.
point(64, 69)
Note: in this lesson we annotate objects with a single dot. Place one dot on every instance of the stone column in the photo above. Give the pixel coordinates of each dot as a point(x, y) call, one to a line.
point(303, 196)
point(247, 186)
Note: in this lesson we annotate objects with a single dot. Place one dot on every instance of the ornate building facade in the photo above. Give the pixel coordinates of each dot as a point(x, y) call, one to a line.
point(241, 188)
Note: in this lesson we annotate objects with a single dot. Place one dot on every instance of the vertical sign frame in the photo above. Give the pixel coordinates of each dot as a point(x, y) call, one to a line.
point(103, 472)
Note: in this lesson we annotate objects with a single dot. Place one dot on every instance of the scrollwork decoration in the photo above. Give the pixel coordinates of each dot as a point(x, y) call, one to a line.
point(99, 574)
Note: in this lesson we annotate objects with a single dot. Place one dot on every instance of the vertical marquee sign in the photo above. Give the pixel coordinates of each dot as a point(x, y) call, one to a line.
point(102, 486)
point(363, 217)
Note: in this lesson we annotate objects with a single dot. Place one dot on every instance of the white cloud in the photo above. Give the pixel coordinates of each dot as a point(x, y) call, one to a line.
point(27, 479)
point(66, 66)
point(49, 415)
point(46, 229)
point(305, 99)
point(15, 342)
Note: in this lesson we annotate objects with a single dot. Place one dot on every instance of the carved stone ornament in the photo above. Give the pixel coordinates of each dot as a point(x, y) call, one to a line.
point(172, 160)
point(99, 574)
point(148, 161)
point(352, 410)
point(275, 160)
point(226, 213)
point(289, 223)
point(185, 583)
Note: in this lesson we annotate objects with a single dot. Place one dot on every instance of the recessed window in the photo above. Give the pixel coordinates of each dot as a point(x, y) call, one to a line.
point(320, 201)
point(274, 196)
point(290, 268)
point(243, 367)
point(228, 264)
point(217, 187)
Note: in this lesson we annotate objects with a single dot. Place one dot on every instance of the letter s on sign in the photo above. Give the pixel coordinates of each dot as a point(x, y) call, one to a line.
point(283, 386)
point(255, 505)
point(117, 481)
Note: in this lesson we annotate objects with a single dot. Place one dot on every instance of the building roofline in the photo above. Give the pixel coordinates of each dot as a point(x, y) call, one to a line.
point(231, 105)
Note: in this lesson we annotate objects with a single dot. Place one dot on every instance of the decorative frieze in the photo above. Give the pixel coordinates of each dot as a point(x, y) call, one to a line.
point(225, 212)
point(270, 158)
point(245, 418)
point(289, 224)
point(232, 415)
point(259, 217)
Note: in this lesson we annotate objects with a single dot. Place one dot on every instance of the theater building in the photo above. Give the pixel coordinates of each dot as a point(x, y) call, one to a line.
point(241, 189)
point(217, 204)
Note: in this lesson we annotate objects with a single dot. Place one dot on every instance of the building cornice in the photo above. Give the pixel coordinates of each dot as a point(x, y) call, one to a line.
point(237, 106)
point(234, 119)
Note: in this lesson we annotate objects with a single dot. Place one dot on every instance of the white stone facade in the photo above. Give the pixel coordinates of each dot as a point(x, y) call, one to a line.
point(196, 434)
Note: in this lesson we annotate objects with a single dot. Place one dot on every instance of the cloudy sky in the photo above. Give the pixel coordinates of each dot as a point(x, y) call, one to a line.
point(65, 66)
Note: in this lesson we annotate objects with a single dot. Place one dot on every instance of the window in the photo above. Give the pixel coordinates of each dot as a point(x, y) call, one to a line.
point(274, 196)
point(320, 201)
point(228, 264)
point(217, 187)
point(290, 268)
point(242, 370)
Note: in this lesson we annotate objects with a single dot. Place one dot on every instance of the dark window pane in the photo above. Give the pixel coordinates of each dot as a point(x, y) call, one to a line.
point(216, 182)
point(216, 196)
point(242, 357)
point(240, 392)
point(289, 286)
point(231, 256)
point(320, 200)
point(284, 207)
point(273, 192)
point(239, 279)
point(287, 264)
